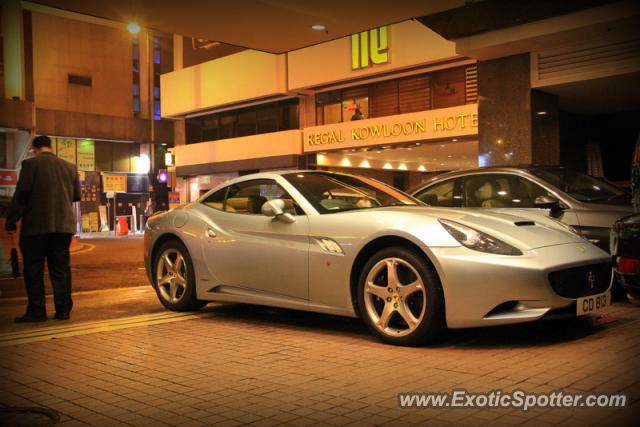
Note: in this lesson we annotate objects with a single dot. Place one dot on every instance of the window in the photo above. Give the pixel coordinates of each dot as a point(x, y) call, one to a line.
point(274, 117)
point(443, 194)
point(580, 186)
point(216, 200)
point(500, 191)
point(249, 196)
point(333, 192)
point(439, 89)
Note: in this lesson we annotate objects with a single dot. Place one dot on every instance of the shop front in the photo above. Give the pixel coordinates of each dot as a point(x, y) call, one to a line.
point(114, 181)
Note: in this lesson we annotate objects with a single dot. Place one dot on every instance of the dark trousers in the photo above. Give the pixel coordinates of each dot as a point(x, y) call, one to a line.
point(54, 247)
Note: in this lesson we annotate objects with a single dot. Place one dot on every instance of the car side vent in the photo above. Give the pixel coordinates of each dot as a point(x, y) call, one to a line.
point(524, 223)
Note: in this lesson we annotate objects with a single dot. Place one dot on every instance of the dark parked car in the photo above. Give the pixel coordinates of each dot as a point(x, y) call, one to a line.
point(625, 248)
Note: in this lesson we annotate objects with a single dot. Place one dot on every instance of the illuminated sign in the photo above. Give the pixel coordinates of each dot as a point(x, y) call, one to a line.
point(432, 124)
point(369, 47)
point(116, 183)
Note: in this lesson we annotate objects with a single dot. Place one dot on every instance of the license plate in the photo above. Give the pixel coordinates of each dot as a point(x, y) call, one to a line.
point(593, 303)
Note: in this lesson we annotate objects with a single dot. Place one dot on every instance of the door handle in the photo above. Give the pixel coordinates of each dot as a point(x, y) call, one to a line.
point(211, 233)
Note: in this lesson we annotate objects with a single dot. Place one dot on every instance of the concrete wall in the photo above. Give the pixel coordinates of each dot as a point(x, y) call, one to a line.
point(410, 44)
point(247, 147)
point(62, 47)
point(510, 130)
point(244, 76)
point(504, 110)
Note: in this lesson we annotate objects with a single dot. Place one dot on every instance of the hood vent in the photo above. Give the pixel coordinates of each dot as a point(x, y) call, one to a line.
point(524, 223)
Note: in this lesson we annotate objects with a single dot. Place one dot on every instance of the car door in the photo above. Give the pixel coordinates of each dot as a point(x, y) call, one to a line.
point(249, 250)
point(447, 193)
point(508, 191)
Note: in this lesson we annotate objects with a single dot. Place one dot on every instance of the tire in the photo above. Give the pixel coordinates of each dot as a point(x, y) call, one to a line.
point(174, 277)
point(395, 312)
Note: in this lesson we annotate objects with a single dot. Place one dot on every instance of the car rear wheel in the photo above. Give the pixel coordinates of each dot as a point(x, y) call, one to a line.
point(174, 278)
point(400, 298)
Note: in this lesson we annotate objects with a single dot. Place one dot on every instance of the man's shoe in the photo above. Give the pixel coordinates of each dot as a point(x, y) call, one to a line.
point(29, 318)
point(61, 316)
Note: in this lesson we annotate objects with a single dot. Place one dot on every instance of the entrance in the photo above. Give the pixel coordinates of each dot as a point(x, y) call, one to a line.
point(403, 166)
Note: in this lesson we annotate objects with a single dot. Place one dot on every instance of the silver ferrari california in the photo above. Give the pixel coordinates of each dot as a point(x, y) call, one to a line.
point(353, 246)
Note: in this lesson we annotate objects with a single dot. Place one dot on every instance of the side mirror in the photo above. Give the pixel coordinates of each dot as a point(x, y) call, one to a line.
point(549, 202)
point(275, 209)
point(546, 202)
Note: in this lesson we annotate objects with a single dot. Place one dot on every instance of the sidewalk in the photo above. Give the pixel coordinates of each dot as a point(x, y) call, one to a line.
point(236, 365)
point(108, 235)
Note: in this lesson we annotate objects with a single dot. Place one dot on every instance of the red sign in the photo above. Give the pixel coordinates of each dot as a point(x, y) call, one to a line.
point(8, 177)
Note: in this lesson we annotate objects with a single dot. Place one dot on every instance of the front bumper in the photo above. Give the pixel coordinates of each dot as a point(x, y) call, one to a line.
point(483, 289)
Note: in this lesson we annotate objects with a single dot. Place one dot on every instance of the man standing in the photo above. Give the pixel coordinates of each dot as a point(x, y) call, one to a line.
point(44, 195)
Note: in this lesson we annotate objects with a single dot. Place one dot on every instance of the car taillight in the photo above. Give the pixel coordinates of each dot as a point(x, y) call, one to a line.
point(627, 265)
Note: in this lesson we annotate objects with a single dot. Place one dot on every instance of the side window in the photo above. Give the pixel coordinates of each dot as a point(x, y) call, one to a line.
point(444, 194)
point(248, 197)
point(216, 200)
point(499, 191)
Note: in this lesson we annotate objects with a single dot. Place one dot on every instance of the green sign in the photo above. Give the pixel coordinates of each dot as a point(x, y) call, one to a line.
point(86, 155)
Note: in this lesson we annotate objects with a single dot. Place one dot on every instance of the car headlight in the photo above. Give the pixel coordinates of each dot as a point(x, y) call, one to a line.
point(477, 240)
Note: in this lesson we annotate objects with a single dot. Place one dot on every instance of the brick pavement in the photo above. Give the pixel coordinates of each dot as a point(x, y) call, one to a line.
point(240, 365)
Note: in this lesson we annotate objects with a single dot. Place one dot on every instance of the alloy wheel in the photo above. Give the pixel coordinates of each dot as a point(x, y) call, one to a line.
point(171, 275)
point(395, 297)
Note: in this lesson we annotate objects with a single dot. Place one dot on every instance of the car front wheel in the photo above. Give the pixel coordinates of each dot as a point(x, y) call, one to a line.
point(400, 298)
point(174, 278)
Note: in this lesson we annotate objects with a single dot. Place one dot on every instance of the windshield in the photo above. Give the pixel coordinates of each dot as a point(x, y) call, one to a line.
point(580, 186)
point(337, 192)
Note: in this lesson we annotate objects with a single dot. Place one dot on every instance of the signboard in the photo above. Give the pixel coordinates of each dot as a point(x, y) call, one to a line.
point(423, 125)
point(117, 183)
point(94, 225)
point(66, 149)
point(8, 177)
point(174, 199)
point(86, 155)
point(369, 47)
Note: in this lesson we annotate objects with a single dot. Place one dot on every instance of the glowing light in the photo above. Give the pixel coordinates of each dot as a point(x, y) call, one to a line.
point(502, 193)
point(365, 164)
point(422, 168)
point(541, 113)
point(168, 159)
point(163, 177)
point(143, 164)
point(402, 167)
point(345, 162)
point(387, 166)
point(319, 27)
point(133, 28)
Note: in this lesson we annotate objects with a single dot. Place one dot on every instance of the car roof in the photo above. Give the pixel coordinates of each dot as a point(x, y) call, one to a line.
point(484, 169)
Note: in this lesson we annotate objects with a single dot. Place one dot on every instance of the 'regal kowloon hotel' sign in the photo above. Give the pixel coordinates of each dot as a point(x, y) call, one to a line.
point(433, 124)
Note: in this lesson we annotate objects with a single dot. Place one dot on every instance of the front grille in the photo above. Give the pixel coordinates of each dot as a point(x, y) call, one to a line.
point(581, 281)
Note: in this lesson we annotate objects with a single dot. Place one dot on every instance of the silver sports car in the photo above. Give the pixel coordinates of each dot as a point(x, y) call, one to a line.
point(353, 246)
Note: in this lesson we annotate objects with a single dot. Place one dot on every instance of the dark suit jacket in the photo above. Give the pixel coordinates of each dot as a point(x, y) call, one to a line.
point(44, 195)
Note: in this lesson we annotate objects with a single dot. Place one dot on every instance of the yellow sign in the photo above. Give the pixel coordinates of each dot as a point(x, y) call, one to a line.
point(432, 124)
point(86, 155)
point(116, 183)
point(66, 149)
point(369, 47)
point(93, 222)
